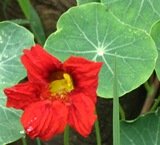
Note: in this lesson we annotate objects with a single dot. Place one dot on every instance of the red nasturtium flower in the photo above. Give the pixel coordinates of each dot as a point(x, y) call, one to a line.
point(56, 94)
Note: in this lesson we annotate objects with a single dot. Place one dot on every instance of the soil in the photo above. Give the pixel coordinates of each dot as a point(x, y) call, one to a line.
point(49, 12)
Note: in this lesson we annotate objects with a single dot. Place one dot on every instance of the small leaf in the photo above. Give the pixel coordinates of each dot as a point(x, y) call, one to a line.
point(13, 39)
point(144, 131)
point(80, 2)
point(99, 36)
point(10, 126)
point(155, 33)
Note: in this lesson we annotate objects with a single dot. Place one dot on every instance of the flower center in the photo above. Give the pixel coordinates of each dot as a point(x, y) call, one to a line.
point(61, 85)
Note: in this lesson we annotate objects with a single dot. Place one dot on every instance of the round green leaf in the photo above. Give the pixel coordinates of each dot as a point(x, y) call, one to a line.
point(93, 32)
point(139, 13)
point(155, 33)
point(144, 131)
point(13, 39)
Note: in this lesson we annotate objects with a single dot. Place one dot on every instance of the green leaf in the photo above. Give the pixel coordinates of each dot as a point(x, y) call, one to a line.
point(80, 2)
point(34, 19)
point(155, 33)
point(10, 125)
point(144, 131)
point(100, 36)
point(139, 13)
point(13, 39)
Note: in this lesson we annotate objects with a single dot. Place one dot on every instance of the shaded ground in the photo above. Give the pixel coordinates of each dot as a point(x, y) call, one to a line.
point(49, 11)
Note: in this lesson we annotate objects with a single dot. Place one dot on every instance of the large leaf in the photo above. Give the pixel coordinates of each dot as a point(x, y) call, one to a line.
point(100, 36)
point(139, 13)
point(144, 131)
point(80, 2)
point(13, 39)
point(155, 33)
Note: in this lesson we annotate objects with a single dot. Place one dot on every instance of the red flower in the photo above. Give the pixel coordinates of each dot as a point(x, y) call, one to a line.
point(56, 94)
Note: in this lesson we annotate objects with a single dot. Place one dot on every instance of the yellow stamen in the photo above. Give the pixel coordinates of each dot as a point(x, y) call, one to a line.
point(59, 88)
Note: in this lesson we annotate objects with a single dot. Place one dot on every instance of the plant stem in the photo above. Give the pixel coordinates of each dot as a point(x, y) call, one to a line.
point(147, 86)
point(24, 142)
point(122, 113)
point(34, 19)
point(157, 101)
point(98, 135)
point(116, 121)
point(151, 93)
point(66, 135)
point(38, 141)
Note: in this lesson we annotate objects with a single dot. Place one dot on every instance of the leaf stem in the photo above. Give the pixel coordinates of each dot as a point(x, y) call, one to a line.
point(24, 142)
point(122, 112)
point(151, 93)
point(98, 135)
point(38, 141)
point(34, 19)
point(157, 101)
point(66, 135)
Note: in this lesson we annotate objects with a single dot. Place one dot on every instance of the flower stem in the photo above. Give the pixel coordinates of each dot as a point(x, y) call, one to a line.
point(98, 135)
point(116, 121)
point(38, 141)
point(66, 135)
point(24, 142)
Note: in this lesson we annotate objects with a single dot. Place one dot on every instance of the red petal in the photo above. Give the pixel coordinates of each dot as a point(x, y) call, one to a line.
point(45, 119)
point(84, 73)
point(22, 95)
point(81, 114)
point(39, 63)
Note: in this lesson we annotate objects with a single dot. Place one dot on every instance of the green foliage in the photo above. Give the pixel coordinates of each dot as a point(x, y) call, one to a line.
point(20, 21)
point(34, 20)
point(13, 39)
point(144, 131)
point(101, 37)
point(10, 126)
point(141, 14)
point(155, 33)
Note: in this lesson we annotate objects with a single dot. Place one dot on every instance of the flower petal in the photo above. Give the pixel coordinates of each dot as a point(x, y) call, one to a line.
point(45, 119)
point(84, 73)
point(81, 114)
point(22, 95)
point(39, 63)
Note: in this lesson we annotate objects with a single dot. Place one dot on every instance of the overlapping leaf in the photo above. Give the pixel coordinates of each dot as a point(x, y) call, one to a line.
point(95, 33)
point(13, 39)
point(144, 131)
point(155, 33)
point(142, 14)
point(139, 13)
